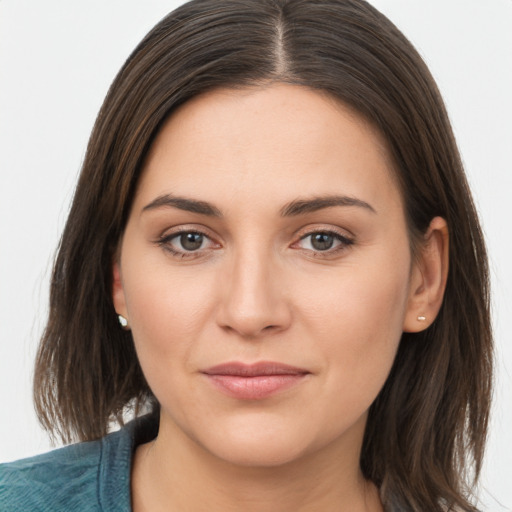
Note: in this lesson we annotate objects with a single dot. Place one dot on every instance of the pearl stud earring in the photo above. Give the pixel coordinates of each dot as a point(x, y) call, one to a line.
point(422, 318)
point(123, 322)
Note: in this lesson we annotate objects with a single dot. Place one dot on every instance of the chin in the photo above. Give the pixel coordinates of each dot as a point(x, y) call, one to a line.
point(259, 452)
point(260, 443)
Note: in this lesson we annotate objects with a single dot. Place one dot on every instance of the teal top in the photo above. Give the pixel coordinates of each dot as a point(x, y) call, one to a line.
point(91, 476)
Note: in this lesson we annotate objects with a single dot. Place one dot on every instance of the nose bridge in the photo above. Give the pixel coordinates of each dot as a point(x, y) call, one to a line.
point(253, 300)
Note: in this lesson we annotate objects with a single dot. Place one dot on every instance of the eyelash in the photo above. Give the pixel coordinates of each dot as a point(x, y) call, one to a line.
point(165, 243)
point(344, 243)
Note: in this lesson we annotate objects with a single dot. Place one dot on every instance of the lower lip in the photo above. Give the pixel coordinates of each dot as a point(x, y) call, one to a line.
point(254, 388)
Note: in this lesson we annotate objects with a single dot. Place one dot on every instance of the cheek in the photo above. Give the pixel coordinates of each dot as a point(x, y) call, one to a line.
point(167, 311)
point(356, 320)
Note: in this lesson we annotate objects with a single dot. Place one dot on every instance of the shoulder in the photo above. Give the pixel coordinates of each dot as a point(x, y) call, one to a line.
point(63, 479)
point(92, 476)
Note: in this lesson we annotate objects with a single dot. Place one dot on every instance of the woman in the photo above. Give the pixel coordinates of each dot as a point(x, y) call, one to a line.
point(273, 205)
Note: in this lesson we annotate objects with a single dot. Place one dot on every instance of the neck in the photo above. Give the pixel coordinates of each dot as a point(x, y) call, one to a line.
point(173, 472)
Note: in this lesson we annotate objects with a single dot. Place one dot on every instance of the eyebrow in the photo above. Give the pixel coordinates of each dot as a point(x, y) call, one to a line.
point(183, 203)
point(294, 208)
point(303, 206)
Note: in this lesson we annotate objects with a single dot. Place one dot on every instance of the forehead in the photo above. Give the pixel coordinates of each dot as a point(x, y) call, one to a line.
point(269, 142)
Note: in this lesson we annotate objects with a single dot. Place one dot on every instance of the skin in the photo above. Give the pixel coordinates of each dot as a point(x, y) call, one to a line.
point(258, 289)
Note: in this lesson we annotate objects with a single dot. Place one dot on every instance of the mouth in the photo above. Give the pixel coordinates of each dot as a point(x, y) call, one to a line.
point(254, 381)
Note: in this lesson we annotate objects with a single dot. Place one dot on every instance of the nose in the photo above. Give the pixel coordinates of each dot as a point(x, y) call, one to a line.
point(254, 300)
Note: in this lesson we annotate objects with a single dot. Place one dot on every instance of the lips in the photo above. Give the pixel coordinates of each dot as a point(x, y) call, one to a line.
point(254, 381)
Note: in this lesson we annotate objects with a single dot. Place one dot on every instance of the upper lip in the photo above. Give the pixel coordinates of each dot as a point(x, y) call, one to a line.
point(255, 369)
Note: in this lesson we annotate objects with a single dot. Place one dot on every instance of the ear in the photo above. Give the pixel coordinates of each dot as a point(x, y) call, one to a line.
point(118, 296)
point(428, 278)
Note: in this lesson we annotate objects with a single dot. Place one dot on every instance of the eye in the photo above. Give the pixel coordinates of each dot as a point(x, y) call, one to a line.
point(190, 241)
point(324, 241)
point(186, 244)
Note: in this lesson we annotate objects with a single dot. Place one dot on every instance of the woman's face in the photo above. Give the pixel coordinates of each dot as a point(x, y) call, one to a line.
point(265, 272)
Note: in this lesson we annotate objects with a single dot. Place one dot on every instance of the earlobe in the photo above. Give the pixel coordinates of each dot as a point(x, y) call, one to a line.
point(428, 278)
point(118, 297)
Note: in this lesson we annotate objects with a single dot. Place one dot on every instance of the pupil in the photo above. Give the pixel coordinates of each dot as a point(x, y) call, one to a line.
point(322, 241)
point(191, 241)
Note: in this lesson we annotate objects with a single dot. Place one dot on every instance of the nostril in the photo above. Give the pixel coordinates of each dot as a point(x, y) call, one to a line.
point(250, 303)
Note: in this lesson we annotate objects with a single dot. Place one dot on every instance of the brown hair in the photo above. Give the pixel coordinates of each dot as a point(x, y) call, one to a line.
point(428, 425)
